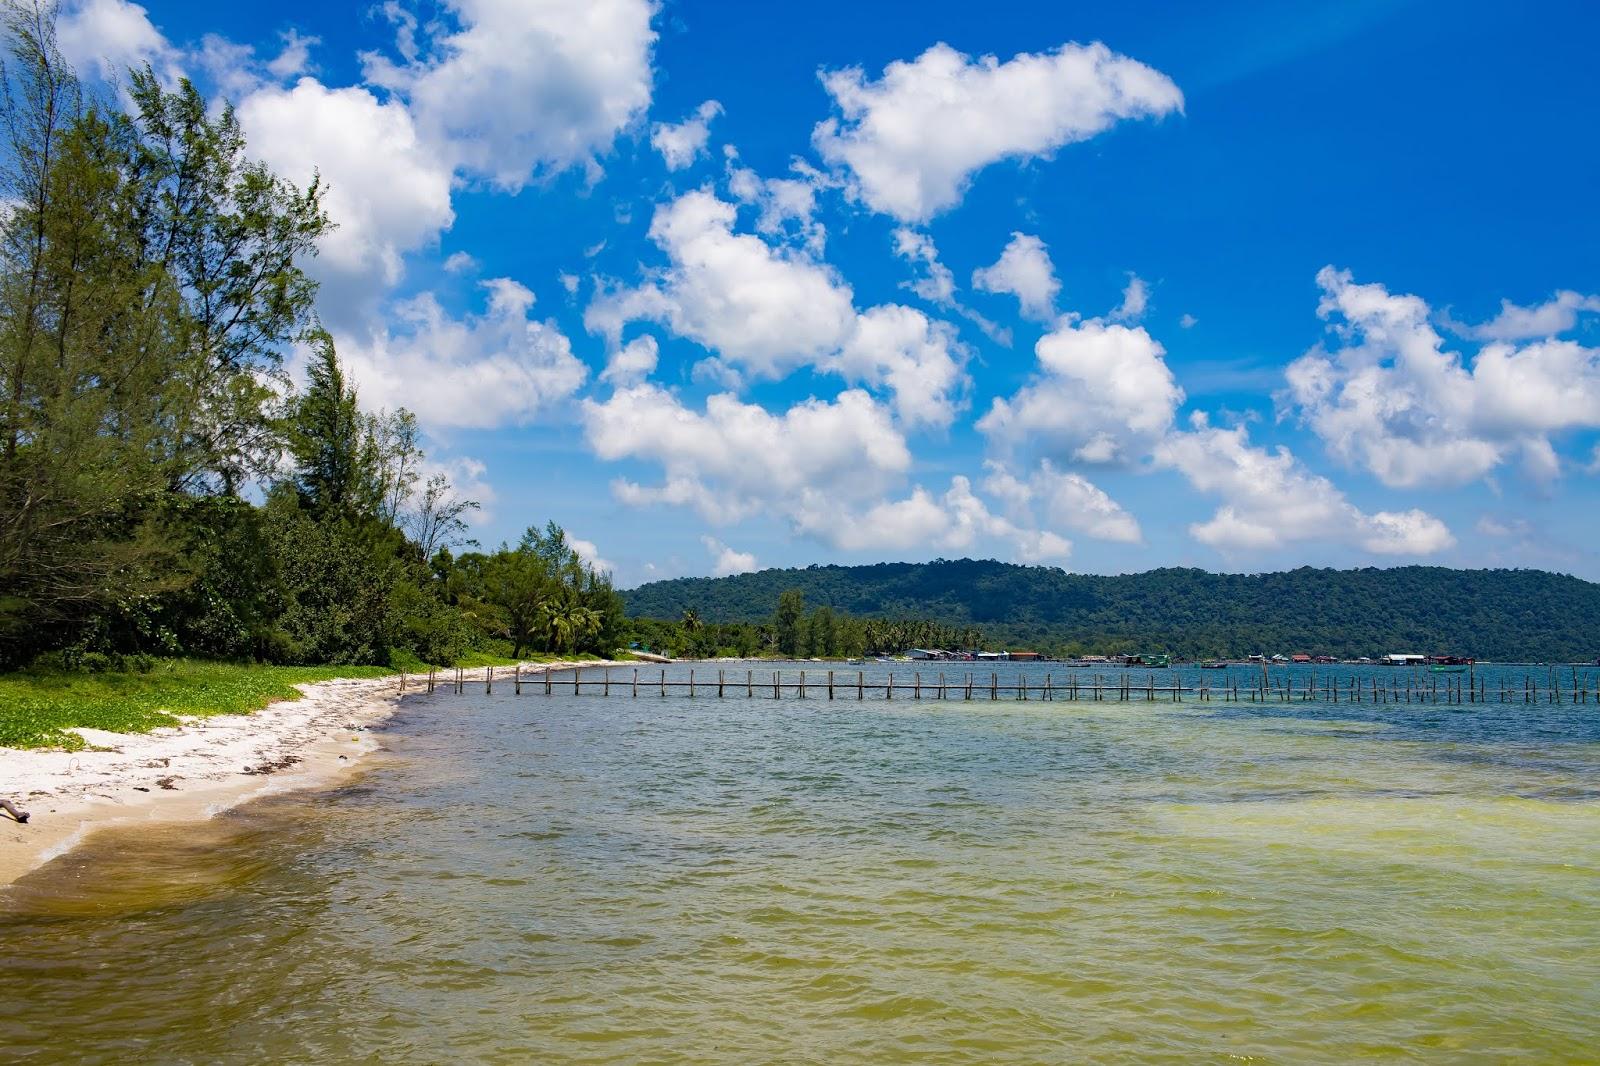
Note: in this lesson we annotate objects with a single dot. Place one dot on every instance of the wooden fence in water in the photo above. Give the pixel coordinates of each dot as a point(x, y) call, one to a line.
point(1070, 687)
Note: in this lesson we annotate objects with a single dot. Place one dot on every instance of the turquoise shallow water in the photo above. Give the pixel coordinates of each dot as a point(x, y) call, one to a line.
point(608, 880)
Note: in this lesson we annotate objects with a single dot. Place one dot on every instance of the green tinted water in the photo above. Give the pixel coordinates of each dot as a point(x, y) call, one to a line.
point(591, 880)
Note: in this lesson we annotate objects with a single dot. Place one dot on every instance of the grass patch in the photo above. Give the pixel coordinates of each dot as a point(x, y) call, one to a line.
point(37, 706)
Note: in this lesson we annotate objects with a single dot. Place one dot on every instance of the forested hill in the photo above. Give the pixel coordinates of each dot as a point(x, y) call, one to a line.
point(1503, 615)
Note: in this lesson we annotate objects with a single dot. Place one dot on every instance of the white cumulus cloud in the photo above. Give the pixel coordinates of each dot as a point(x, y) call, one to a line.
point(727, 562)
point(788, 206)
point(1103, 394)
point(1514, 322)
point(1271, 500)
point(733, 293)
point(501, 367)
point(1135, 299)
point(1067, 500)
point(110, 36)
point(767, 311)
point(1024, 270)
point(681, 143)
point(514, 87)
point(1392, 399)
point(631, 363)
point(911, 140)
point(589, 553)
point(831, 469)
point(917, 359)
point(921, 521)
point(734, 458)
point(388, 193)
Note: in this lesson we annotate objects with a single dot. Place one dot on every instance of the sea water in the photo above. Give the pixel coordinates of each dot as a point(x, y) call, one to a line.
point(586, 879)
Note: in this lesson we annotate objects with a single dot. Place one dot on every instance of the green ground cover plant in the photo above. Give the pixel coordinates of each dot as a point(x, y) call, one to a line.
point(38, 707)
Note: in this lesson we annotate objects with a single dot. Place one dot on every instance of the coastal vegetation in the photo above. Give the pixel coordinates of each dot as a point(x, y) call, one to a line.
point(793, 632)
point(39, 706)
point(167, 489)
point(1506, 615)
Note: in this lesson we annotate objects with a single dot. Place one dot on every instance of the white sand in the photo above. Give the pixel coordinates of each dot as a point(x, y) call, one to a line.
point(196, 770)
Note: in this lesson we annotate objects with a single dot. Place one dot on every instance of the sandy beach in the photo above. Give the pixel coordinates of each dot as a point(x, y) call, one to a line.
point(192, 772)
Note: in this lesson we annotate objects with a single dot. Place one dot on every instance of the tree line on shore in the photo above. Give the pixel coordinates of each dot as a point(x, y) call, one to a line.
point(792, 632)
point(1503, 615)
point(165, 486)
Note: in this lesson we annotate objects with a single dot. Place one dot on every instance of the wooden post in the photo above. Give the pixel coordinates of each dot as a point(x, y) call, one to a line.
point(888, 692)
point(802, 684)
point(663, 682)
point(994, 686)
point(776, 692)
point(916, 684)
point(606, 691)
point(691, 684)
point(942, 693)
point(430, 680)
point(1022, 686)
point(488, 679)
point(720, 681)
point(749, 684)
point(549, 682)
point(830, 684)
point(516, 680)
point(968, 695)
point(635, 682)
point(402, 682)
point(861, 684)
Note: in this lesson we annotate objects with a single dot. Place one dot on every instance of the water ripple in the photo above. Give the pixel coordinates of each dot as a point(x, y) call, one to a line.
point(591, 881)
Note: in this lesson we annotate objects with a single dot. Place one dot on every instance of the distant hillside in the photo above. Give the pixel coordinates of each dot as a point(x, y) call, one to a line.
point(1504, 615)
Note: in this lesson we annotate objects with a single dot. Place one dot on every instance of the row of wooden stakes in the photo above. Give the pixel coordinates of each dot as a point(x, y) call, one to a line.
point(1123, 688)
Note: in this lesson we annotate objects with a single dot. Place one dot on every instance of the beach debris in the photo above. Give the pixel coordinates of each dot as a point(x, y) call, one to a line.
point(20, 816)
point(167, 783)
point(283, 762)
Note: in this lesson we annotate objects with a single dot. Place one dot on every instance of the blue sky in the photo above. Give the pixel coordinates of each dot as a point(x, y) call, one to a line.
point(1242, 286)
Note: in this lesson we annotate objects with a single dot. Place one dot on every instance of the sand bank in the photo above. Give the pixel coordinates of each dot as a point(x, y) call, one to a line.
point(191, 772)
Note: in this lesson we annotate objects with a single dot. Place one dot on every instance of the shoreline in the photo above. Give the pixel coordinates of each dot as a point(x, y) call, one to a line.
point(199, 769)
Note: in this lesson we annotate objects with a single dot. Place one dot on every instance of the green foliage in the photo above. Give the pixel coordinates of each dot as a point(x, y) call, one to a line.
point(1505, 615)
point(336, 575)
point(543, 596)
point(335, 453)
point(786, 621)
point(37, 705)
point(151, 280)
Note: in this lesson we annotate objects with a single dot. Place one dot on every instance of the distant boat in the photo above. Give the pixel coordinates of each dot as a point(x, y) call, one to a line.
point(1449, 664)
point(1212, 665)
